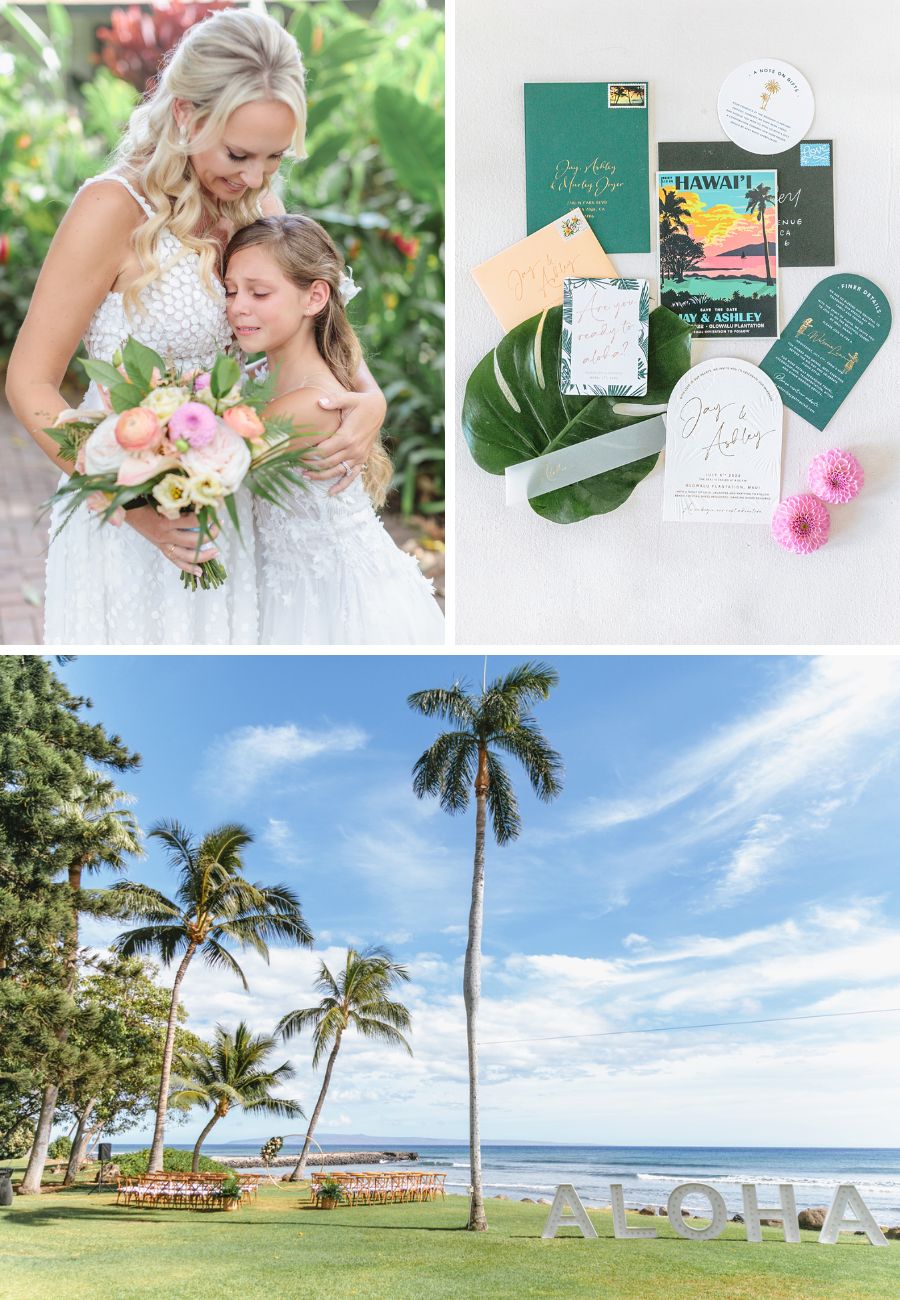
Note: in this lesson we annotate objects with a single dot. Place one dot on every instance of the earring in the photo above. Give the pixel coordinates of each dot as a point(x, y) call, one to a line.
point(183, 137)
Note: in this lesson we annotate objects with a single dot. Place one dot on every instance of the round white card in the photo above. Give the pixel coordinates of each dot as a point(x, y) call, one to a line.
point(766, 106)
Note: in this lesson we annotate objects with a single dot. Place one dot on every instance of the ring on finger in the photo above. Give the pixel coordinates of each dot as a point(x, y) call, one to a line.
point(346, 466)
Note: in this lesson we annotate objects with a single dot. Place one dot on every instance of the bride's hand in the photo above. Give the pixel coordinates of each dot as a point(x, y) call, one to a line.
point(176, 538)
point(363, 417)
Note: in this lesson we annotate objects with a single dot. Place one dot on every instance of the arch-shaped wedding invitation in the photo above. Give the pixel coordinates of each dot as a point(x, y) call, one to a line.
point(723, 445)
point(827, 345)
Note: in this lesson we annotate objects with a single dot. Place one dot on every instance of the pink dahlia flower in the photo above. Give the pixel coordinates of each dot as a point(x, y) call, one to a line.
point(836, 476)
point(800, 524)
point(193, 422)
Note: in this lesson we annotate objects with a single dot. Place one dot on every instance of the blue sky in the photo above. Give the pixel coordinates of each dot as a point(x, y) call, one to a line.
point(724, 849)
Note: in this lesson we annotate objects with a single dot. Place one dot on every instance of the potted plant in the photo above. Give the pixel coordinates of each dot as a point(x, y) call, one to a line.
point(330, 1193)
point(230, 1192)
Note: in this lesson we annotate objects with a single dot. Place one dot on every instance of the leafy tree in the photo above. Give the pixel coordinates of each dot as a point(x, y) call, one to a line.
point(49, 755)
point(214, 906)
point(679, 254)
point(488, 725)
point(358, 998)
point(122, 1024)
point(672, 213)
point(231, 1074)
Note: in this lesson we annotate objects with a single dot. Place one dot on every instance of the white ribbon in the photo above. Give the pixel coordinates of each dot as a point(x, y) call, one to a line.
point(557, 469)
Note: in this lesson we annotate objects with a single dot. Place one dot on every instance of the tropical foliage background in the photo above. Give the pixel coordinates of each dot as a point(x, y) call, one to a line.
point(374, 174)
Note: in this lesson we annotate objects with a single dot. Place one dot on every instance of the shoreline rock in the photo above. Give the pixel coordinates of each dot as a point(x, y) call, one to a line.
point(319, 1159)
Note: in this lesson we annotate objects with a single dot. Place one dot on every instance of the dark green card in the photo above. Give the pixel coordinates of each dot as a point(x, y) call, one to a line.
point(827, 345)
point(805, 190)
point(587, 146)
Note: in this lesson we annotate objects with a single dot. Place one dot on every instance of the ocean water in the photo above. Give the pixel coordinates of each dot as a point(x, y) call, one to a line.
point(648, 1174)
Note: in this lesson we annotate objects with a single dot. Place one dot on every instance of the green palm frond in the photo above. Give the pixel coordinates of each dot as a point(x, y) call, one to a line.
point(454, 704)
point(165, 941)
point(543, 765)
point(503, 806)
point(216, 954)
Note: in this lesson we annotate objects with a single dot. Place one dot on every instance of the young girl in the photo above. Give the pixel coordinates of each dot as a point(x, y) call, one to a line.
point(139, 253)
point(329, 572)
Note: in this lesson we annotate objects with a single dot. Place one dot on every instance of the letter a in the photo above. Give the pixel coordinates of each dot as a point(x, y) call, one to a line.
point(848, 1198)
point(557, 1218)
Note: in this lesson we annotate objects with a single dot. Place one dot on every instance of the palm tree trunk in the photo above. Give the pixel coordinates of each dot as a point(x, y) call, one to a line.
point(195, 1163)
point(472, 996)
point(762, 217)
point(162, 1103)
point(79, 1143)
point(299, 1169)
point(31, 1183)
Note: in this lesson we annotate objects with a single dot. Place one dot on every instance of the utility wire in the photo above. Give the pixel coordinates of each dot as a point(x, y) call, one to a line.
point(672, 1029)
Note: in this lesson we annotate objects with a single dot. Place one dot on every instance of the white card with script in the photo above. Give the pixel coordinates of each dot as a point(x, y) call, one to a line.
point(723, 445)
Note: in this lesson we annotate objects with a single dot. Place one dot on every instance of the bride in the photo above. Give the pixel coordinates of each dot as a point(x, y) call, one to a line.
point(138, 253)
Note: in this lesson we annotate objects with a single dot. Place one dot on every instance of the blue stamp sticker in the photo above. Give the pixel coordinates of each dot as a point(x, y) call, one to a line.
point(815, 154)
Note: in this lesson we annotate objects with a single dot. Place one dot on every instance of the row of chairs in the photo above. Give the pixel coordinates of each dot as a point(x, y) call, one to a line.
point(183, 1191)
point(372, 1188)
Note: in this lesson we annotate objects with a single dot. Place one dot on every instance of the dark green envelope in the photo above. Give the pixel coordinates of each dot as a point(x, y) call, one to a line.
point(805, 190)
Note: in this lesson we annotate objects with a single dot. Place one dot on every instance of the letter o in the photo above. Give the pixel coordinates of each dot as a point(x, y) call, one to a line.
point(716, 1204)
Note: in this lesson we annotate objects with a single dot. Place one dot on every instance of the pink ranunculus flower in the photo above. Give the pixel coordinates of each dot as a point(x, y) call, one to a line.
point(227, 455)
point(138, 467)
point(193, 422)
point(138, 429)
point(836, 476)
point(800, 524)
point(245, 421)
point(202, 381)
point(102, 452)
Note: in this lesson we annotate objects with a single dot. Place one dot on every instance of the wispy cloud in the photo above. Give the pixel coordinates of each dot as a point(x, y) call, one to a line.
point(247, 756)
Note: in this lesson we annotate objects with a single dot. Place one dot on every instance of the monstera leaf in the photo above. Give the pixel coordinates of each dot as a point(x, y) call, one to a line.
point(513, 410)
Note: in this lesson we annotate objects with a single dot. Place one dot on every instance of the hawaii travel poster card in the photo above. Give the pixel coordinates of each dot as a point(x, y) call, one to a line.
point(587, 145)
point(605, 338)
point(718, 251)
point(805, 190)
point(528, 277)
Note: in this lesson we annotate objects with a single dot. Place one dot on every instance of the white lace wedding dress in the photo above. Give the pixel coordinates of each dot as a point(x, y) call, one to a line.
point(110, 586)
point(330, 574)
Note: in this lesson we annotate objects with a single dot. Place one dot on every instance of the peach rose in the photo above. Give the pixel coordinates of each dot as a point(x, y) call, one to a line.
point(245, 421)
point(227, 455)
point(139, 466)
point(138, 429)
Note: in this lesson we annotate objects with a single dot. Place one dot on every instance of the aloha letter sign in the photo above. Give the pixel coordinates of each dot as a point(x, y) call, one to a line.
point(846, 1200)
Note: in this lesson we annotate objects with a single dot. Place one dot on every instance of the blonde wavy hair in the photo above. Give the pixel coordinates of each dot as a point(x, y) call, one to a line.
point(304, 252)
point(230, 59)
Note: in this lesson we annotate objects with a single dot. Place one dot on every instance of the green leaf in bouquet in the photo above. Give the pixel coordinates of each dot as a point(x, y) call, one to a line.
point(514, 410)
point(225, 374)
point(140, 362)
point(101, 371)
point(123, 396)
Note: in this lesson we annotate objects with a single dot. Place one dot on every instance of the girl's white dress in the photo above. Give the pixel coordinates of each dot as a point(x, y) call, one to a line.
point(330, 574)
point(110, 586)
point(324, 572)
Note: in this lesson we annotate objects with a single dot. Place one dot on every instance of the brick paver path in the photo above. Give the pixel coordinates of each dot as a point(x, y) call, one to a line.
point(27, 479)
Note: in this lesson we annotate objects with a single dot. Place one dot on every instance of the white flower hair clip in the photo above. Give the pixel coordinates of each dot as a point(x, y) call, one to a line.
point(347, 286)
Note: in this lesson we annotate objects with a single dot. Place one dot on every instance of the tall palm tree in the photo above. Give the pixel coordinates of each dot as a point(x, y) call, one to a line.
point(672, 212)
point(101, 832)
point(232, 1075)
point(467, 758)
point(358, 998)
point(214, 906)
point(758, 200)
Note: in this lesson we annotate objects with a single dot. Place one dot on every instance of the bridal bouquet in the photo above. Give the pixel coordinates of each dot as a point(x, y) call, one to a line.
point(176, 442)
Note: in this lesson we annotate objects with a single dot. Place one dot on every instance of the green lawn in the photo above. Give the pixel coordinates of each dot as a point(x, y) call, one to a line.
point(80, 1244)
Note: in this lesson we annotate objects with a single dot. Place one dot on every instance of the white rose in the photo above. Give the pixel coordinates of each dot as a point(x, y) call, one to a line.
point(164, 402)
point(102, 454)
point(205, 396)
point(227, 456)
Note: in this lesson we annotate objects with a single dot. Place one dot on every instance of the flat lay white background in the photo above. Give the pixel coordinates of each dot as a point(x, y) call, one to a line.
point(627, 577)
